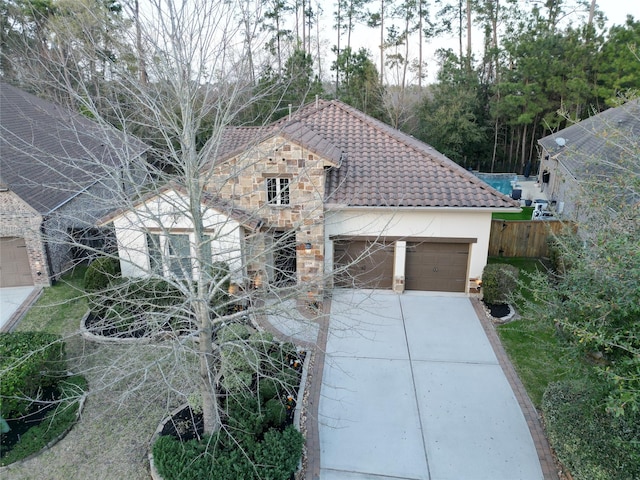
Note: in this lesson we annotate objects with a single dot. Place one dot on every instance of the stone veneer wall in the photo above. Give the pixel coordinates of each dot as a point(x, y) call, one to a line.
point(243, 179)
point(17, 219)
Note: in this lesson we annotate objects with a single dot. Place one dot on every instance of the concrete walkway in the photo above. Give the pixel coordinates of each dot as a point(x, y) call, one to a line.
point(412, 389)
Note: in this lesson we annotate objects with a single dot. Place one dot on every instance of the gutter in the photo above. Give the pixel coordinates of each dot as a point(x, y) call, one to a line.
point(339, 207)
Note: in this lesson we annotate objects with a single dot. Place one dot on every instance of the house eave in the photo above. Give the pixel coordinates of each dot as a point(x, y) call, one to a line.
point(340, 207)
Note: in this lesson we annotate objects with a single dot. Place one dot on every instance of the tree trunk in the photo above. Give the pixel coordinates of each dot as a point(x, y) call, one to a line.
point(210, 411)
point(382, 42)
point(419, 44)
point(468, 36)
point(142, 69)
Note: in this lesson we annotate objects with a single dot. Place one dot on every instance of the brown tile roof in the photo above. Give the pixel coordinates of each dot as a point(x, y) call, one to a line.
point(377, 164)
point(50, 154)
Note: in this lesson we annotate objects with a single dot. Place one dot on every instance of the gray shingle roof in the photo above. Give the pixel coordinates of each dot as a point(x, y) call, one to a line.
point(49, 154)
point(378, 165)
point(598, 144)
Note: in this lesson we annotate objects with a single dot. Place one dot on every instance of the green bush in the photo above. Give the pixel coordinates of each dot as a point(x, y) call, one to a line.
point(100, 273)
point(275, 413)
point(29, 361)
point(233, 333)
point(54, 424)
point(267, 389)
point(499, 281)
point(591, 443)
point(276, 457)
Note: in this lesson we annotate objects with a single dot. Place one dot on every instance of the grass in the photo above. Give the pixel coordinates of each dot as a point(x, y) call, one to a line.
point(537, 353)
point(526, 214)
point(58, 307)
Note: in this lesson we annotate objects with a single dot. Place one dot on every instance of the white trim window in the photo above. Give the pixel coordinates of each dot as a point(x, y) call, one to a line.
point(278, 191)
point(170, 254)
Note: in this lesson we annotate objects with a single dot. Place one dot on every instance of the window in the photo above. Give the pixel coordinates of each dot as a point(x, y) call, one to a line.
point(179, 250)
point(155, 252)
point(278, 191)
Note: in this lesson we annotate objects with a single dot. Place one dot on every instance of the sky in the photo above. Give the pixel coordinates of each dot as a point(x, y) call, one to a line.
point(616, 12)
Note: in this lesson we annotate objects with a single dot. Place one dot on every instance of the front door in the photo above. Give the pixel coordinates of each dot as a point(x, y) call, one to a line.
point(284, 258)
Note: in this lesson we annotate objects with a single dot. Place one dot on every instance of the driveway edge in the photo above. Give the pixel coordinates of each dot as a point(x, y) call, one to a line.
point(313, 427)
point(546, 458)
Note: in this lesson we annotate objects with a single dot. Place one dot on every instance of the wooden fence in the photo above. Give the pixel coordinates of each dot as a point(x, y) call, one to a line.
point(523, 238)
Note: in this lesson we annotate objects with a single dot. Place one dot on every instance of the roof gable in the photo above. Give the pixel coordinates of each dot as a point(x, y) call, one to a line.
point(50, 154)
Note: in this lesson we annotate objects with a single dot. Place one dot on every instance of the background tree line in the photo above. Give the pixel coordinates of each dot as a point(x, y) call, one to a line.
point(515, 66)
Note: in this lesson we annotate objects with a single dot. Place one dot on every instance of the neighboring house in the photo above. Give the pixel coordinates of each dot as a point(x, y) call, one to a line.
point(58, 173)
point(593, 148)
point(327, 197)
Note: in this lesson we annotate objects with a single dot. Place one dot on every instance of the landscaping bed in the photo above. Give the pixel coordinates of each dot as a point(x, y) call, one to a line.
point(257, 438)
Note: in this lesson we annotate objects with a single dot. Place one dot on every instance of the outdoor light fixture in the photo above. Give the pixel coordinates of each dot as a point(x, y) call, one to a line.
point(307, 246)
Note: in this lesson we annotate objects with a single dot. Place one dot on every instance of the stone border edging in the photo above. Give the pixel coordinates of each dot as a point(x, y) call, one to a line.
point(52, 442)
point(108, 340)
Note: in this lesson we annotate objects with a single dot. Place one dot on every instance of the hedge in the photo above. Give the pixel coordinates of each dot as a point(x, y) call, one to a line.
point(29, 362)
point(276, 457)
point(591, 443)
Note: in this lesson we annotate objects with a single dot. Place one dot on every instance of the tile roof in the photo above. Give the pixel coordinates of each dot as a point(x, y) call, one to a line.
point(49, 154)
point(597, 144)
point(377, 165)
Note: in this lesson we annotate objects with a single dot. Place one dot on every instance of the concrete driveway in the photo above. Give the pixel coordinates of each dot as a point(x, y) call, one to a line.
point(13, 301)
point(412, 389)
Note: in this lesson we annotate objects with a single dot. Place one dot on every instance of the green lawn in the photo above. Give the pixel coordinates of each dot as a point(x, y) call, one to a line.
point(536, 352)
point(59, 308)
point(524, 215)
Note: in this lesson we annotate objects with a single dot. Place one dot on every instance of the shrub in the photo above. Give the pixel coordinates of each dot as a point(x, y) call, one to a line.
point(267, 389)
point(100, 273)
point(591, 443)
point(279, 453)
point(29, 361)
point(275, 413)
point(232, 333)
point(274, 458)
point(499, 281)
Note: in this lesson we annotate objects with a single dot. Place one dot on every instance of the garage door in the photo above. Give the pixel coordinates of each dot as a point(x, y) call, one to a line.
point(440, 267)
point(14, 263)
point(363, 264)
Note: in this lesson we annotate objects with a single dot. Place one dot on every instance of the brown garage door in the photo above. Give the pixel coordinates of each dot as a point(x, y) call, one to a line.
point(440, 267)
point(14, 263)
point(363, 264)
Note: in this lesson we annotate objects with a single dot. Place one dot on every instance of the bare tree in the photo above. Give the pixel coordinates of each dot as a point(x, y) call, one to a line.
point(196, 79)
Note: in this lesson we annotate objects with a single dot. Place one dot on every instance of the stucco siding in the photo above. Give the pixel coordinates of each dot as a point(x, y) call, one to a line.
point(165, 215)
point(414, 223)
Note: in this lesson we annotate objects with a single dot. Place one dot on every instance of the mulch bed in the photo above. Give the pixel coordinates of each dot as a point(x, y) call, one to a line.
point(99, 326)
point(498, 311)
point(184, 425)
point(35, 416)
